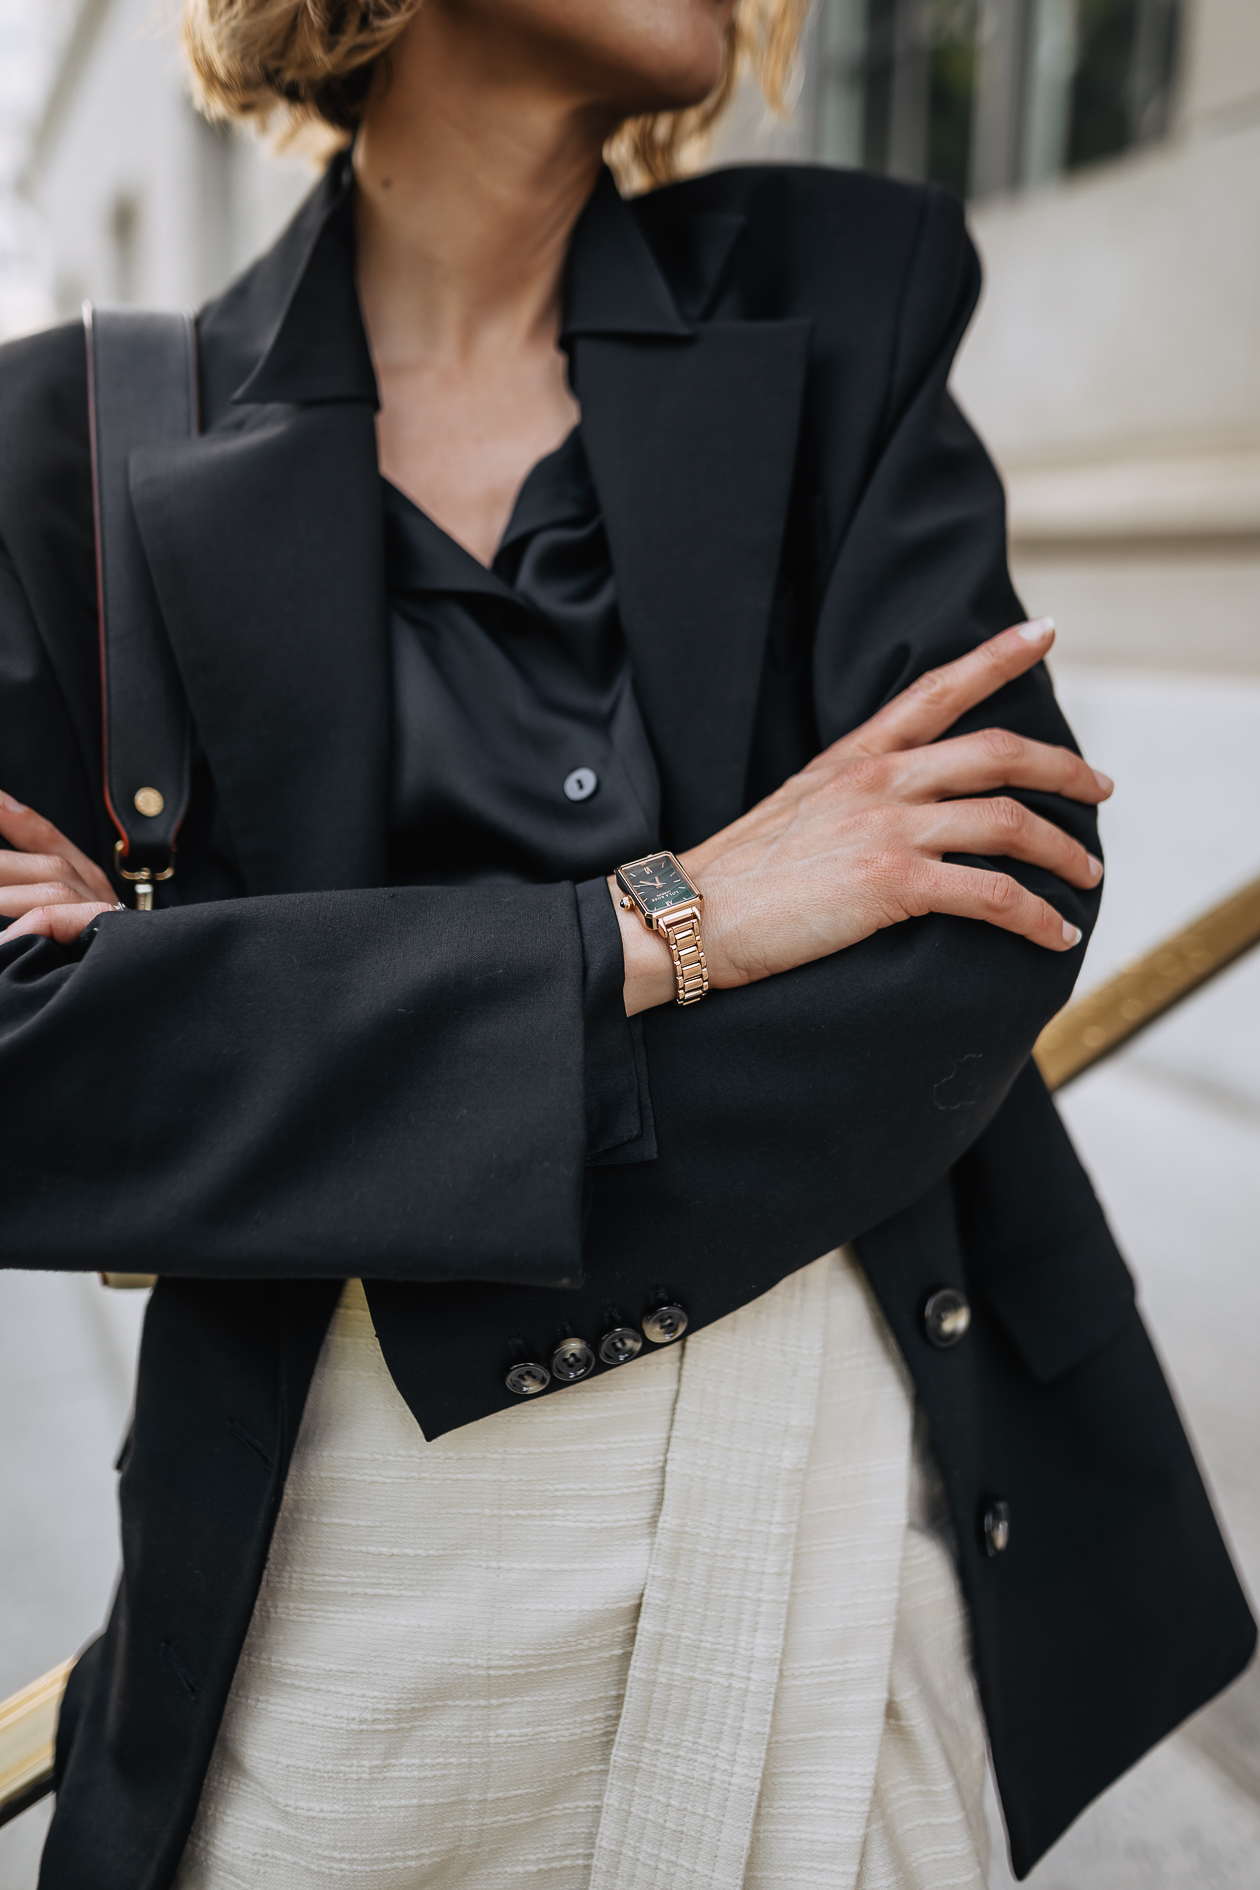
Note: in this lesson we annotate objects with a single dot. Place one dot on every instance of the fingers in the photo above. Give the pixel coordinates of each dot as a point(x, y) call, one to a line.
point(935, 702)
point(992, 758)
point(995, 898)
point(28, 832)
point(43, 869)
point(62, 923)
point(15, 901)
point(1005, 828)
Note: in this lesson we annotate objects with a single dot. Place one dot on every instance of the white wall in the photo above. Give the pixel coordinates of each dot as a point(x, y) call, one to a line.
point(1122, 305)
point(1114, 368)
point(28, 39)
point(1181, 832)
point(142, 199)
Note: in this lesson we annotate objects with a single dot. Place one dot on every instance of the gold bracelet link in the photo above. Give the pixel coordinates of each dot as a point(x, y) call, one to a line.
point(691, 968)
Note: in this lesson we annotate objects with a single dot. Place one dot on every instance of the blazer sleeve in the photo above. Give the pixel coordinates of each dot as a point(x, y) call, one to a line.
point(805, 1110)
point(167, 1106)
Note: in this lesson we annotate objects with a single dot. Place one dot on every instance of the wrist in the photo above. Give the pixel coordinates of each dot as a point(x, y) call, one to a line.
point(649, 967)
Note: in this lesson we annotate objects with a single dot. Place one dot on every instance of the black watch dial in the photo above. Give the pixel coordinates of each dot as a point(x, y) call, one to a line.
point(657, 883)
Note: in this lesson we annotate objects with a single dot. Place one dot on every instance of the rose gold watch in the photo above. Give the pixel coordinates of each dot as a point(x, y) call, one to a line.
point(659, 891)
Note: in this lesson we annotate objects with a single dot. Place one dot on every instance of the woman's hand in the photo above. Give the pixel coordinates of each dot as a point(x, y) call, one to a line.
point(46, 884)
point(855, 841)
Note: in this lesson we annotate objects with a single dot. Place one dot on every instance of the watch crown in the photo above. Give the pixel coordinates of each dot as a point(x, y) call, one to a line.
point(625, 904)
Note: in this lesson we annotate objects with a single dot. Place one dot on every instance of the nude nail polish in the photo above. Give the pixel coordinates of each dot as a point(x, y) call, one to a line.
point(1104, 781)
point(1038, 630)
point(1095, 866)
point(1071, 933)
point(9, 804)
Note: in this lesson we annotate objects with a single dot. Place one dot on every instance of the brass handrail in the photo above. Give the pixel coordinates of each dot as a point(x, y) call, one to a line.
point(28, 1727)
point(1079, 1037)
point(1094, 1026)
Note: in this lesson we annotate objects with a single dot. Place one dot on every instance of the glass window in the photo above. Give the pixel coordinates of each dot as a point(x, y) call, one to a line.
point(984, 95)
point(1126, 53)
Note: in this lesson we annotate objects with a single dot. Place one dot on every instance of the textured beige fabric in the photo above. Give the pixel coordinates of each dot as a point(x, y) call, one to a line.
point(682, 1789)
point(429, 1690)
point(833, 1688)
point(645, 1635)
point(927, 1827)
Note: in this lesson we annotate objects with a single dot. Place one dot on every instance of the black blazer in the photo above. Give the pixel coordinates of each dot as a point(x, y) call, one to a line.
point(297, 1073)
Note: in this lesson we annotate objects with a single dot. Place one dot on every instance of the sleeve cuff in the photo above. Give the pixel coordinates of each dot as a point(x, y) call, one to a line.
point(619, 1127)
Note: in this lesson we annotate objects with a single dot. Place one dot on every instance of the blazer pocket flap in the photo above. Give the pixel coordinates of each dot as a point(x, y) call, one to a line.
point(1058, 1306)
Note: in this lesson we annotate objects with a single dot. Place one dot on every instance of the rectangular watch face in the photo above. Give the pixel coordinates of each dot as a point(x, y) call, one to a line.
point(658, 883)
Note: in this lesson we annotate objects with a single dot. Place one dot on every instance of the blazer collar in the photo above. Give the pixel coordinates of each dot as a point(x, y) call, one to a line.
point(613, 284)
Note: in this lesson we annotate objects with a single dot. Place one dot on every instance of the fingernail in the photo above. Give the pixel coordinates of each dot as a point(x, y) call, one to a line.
point(1071, 934)
point(1104, 781)
point(1095, 866)
point(13, 807)
point(1038, 630)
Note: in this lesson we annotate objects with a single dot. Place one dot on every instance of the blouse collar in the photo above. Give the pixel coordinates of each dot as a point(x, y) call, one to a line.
point(318, 349)
point(422, 557)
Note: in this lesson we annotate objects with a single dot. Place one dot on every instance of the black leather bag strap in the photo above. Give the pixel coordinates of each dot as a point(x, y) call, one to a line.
point(142, 390)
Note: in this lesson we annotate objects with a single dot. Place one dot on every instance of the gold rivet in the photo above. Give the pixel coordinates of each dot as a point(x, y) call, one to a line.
point(149, 802)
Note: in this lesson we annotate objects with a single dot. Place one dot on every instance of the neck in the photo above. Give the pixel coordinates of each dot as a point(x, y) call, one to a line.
point(472, 166)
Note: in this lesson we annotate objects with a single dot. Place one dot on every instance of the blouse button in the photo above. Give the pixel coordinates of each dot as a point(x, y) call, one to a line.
point(581, 784)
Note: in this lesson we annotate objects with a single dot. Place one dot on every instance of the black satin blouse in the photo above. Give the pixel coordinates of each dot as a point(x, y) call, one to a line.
point(518, 749)
point(519, 753)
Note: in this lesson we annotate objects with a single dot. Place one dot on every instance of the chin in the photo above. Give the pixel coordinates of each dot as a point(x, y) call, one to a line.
point(633, 55)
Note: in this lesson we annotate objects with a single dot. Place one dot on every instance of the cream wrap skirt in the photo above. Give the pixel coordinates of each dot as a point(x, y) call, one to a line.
point(690, 1625)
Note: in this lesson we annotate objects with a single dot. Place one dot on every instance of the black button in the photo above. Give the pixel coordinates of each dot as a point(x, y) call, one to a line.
point(665, 1324)
point(946, 1317)
point(571, 1360)
point(528, 1378)
point(620, 1345)
point(996, 1527)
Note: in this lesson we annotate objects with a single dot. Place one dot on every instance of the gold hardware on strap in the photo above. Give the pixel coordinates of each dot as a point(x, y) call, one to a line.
point(1090, 1029)
point(145, 880)
point(691, 970)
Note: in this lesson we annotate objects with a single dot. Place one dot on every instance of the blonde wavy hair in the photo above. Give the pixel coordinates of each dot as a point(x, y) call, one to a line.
point(297, 66)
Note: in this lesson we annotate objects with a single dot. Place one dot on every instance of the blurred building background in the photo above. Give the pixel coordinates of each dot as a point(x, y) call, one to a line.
point(1110, 150)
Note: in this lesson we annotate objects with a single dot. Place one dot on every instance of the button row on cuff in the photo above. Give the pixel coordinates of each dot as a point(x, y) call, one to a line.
point(946, 1319)
point(573, 1359)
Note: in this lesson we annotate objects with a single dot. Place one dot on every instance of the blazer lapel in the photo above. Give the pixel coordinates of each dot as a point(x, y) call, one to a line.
point(266, 546)
point(267, 554)
point(692, 446)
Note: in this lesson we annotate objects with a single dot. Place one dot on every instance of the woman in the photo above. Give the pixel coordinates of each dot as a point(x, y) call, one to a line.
point(532, 531)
